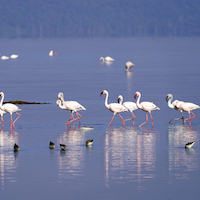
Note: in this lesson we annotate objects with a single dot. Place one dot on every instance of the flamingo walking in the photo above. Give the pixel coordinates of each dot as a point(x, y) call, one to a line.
point(73, 106)
point(145, 106)
point(9, 108)
point(131, 106)
point(128, 65)
point(171, 105)
point(187, 107)
point(106, 59)
point(116, 108)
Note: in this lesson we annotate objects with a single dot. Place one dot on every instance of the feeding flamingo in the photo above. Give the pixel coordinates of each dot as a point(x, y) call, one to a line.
point(106, 59)
point(171, 105)
point(187, 107)
point(145, 106)
point(73, 106)
point(131, 106)
point(116, 108)
point(10, 108)
point(128, 65)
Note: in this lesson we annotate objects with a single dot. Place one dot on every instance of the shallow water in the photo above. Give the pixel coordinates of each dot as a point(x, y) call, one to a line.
point(124, 162)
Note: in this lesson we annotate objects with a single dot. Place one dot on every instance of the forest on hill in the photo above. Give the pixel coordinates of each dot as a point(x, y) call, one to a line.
point(98, 18)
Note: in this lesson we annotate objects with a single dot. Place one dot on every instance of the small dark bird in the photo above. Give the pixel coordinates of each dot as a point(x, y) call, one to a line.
point(63, 147)
point(16, 147)
point(189, 145)
point(89, 142)
point(51, 145)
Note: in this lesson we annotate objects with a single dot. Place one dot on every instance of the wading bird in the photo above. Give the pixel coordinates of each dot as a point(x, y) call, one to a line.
point(116, 108)
point(171, 105)
point(145, 106)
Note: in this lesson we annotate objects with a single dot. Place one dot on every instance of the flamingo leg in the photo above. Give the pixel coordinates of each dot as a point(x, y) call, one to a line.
point(72, 116)
point(111, 119)
point(151, 118)
point(190, 117)
point(16, 119)
point(145, 121)
point(69, 119)
point(178, 118)
point(122, 119)
point(2, 120)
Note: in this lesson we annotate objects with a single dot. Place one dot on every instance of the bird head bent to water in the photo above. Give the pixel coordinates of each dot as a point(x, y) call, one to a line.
point(89, 142)
point(16, 147)
point(63, 147)
point(51, 145)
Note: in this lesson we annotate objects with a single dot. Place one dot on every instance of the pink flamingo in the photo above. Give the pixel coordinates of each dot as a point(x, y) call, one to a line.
point(145, 106)
point(9, 108)
point(128, 65)
point(73, 106)
point(116, 108)
point(187, 107)
point(131, 106)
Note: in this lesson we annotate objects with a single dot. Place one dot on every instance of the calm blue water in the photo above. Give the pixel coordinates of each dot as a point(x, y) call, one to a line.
point(125, 162)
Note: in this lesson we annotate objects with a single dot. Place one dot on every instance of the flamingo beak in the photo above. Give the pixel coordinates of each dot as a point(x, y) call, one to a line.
point(101, 94)
point(135, 96)
point(118, 100)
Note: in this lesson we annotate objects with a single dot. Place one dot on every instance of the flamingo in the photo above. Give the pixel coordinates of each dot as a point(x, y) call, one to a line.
point(1, 113)
point(169, 98)
point(116, 108)
point(128, 65)
point(4, 57)
point(10, 108)
point(145, 106)
point(131, 106)
point(106, 59)
point(73, 106)
point(187, 107)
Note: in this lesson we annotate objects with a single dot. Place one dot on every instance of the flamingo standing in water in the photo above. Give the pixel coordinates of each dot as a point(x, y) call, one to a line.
point(116, 108)
point(9, 108)
point(187, 107)
point(73, 106)
point(1, 113)
point(128, 65)
point(106, 59)
point(131, 106)
point(171, 105)
point(145, 106)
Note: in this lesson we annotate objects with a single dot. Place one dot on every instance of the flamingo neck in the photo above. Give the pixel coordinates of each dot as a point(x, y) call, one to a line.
point(138, 101)
point(2, 98)
point(121, 100)
point(106, 100)
point(61, 105)
point(170, 105)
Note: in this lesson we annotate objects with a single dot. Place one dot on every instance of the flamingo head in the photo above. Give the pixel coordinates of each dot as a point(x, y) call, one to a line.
point(102, 58)
point(1, 94)
point(58, 102)
point(136, 94)
point(60, 96)
point(119, 98)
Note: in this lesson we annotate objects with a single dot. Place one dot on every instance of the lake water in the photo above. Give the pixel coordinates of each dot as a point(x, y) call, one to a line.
point(124, 162)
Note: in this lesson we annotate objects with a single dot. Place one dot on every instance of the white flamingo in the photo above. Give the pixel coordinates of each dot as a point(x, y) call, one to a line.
point(171, 105)
point(145, 106)
point(9, 108)
point(13, 56)
point(106, 59)
point(116, 108)
point(187, 107)
point(73, 106)
point(131, 106)
point(128, 65)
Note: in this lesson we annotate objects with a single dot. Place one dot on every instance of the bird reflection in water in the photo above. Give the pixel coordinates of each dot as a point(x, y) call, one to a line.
point(70, 162)
point(181, 159)
point(129, 155)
